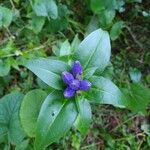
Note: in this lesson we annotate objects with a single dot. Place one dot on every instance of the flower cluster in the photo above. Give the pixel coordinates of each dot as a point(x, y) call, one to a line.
point(74, 80)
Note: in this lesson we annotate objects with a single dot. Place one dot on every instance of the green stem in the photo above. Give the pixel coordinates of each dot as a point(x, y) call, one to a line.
point(14, 54)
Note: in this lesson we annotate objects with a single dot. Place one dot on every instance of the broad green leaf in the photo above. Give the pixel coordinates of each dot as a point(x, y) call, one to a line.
point(138, 97)
point(103, 91)
point(55, 119)
point(46, 8)
point(106, 18)
point(62, 49)
point(94, 50)
point(36, 23)
point(4, 68)
point(135, 75)
point(48, 70)
point(65, 49)
point(10, 126)
point(30, 109)
point(75, 43)
point(99, 5)
point(116, 30)
point(85, 115)
point(5, 17)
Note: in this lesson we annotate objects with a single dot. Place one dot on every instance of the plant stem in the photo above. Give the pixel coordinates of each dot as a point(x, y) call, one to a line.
point(134, 38)
point(13, 6)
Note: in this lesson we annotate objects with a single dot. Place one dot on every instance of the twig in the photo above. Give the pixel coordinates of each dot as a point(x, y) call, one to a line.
point(11, 36)
point(134, 38)
point(13, 6)
point(91, 145)
point(124, 122)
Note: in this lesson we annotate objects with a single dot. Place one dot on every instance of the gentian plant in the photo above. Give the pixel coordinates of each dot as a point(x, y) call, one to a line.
point(75, 78)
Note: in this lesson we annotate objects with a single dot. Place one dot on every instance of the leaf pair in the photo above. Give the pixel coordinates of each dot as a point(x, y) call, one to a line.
point(49, 120)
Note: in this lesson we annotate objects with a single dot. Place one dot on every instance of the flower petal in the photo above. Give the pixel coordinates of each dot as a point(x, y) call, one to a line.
point(67, 77)
point(68, 93)
point(74, 84)
point(85, 85)
point(76, 68)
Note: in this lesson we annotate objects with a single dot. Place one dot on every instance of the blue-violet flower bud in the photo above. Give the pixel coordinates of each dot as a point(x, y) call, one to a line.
point(68, 93)
point(85, 85)
point(76, 68)
point(74, 84)
point(67, 77)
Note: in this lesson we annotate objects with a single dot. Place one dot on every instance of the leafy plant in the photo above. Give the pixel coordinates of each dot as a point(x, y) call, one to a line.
point(62, 80)
point(58, 113)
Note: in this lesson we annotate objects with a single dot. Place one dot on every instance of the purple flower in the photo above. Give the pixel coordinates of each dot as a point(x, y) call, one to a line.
point(75, 84)
point(74, 81)
point(67, 77)
point(68, 93)
point(85, 85)
point(76, 68)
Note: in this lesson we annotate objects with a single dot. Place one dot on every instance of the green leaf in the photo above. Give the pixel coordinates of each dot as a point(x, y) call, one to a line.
point(99, 5)
point(30, 109)
point(59, 24)
point(85, 115)
point(75, 43)
point(94, 50)
point(135, 75)
point(46, 8)
point(5, 17)
point(106, 18)
point(48, 70)
point(4, 68)
point(55, 119)
point(36, 23)
point(65, 49)
point(62, 49)
point(103, 91)
point(116, 30)
point(10, 126)
point(138, 97)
